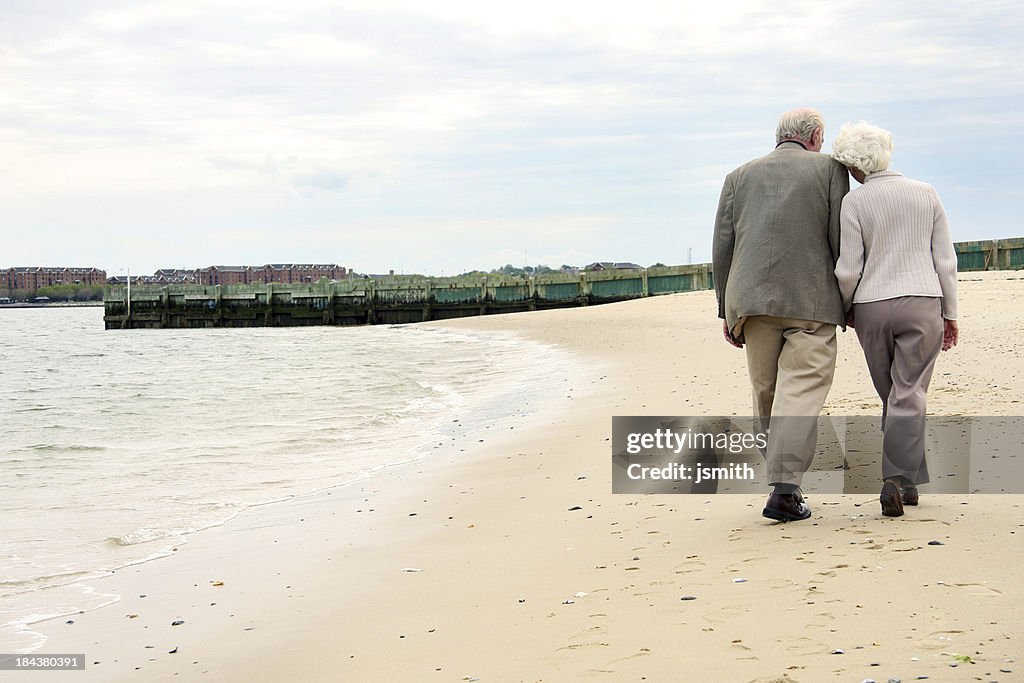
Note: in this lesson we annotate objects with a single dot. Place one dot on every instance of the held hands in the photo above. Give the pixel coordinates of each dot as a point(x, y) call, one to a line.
point(849, 319)
point(950, 334)
point(728, 336)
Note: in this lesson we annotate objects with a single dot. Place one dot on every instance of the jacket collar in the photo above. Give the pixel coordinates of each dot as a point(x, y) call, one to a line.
point(790, 144)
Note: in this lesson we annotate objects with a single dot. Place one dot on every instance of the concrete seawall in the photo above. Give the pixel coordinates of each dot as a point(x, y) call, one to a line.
point(396, 300)
point(390, 300)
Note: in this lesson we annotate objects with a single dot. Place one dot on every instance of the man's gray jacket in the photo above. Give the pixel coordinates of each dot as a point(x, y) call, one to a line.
point(776, 237)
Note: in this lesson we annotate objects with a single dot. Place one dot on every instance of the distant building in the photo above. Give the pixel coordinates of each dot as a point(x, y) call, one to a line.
point(224, 275)
point(289, 273)
point(609, 265)
point(281, 273)
point(29, 279)
point(174, 276)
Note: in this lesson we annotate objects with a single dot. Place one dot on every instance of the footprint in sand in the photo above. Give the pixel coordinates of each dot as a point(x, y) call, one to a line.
point(938, 640)
point(744, 653)
point(736, 566)
point(726, 614)
point(643, 652)
point(581, 646)
point(925, 519)
point(801, 645)
point(592, 636)
point(690, 564)
point(977, 589)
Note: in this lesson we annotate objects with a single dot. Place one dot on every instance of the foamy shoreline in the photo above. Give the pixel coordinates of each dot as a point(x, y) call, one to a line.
point(531, 570)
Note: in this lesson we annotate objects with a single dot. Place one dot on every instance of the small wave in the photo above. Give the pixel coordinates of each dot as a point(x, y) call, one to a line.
point(381, 420)
point(140, 536)
point(43, 581)
point(58, 448)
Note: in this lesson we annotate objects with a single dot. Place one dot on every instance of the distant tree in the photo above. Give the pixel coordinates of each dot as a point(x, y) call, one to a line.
point(57, 292)
point(658, 265)
point(78, 292)
point(89, 293)
point(509, 269)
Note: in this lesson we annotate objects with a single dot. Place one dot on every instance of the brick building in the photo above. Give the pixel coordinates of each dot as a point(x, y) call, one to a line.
point(281, 273)
point(224, 275)
point(288, 273)
point(31, 278)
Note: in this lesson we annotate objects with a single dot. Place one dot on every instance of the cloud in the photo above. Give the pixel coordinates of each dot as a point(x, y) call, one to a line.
point(471, 114)
point(320, 181)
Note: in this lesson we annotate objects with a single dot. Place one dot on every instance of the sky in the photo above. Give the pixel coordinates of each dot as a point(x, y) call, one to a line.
point(444, 136)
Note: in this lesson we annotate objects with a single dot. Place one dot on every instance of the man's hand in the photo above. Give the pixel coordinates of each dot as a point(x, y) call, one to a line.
point(950, 334)
point(728, 335)
point(849, 319)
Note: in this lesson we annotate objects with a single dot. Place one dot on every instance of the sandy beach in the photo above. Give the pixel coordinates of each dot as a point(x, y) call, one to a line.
point(509, 559)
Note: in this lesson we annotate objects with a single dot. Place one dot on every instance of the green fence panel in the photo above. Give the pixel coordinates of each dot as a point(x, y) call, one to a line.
point(560, 291)
point(511, 293)
point(664, 284)
point(457, 295)
point(1012, 252)
point(617, 289)
point(970, 260)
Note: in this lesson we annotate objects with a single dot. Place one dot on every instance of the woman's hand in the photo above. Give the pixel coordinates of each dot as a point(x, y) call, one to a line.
point(950, 334)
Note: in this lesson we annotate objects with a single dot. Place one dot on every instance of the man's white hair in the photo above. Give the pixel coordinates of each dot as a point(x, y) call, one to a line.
point(800, 124)
point(863, 146)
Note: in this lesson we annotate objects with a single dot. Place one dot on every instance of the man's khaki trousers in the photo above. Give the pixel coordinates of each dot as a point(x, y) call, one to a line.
point(791, 364)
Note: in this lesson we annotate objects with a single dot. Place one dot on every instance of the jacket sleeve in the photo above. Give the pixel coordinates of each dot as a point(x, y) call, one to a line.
point(724, 240)
point(838, 187)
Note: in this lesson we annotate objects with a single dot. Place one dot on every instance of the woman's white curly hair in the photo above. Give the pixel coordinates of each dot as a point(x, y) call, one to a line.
point(863, 146)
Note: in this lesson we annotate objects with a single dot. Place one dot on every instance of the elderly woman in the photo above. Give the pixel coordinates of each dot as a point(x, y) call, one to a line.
point(897, 276)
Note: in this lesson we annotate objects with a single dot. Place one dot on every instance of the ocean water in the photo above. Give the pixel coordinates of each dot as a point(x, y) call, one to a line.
point(115, 446)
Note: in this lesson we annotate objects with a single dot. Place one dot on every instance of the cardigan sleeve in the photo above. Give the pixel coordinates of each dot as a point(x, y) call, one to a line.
point(851, 253)
point(944, 258)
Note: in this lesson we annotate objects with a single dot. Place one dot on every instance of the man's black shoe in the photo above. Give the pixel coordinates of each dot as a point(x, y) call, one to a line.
point(786, 507)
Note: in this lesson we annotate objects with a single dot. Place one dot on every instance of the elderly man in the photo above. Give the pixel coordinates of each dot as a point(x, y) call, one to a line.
point(776, 244)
